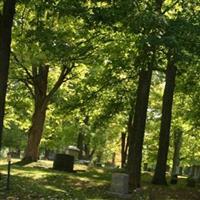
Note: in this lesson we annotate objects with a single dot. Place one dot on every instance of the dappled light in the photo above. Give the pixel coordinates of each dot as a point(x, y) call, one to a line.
point(99, 100)
point(94, 184)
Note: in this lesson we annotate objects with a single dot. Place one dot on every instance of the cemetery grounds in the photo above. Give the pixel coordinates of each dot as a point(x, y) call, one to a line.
point(38, 181)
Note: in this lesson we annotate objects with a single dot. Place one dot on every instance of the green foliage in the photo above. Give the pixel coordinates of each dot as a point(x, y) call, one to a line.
point(108, 42)
point(14, 138)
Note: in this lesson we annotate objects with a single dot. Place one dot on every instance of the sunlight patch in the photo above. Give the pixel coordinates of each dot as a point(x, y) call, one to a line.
point(54, 188)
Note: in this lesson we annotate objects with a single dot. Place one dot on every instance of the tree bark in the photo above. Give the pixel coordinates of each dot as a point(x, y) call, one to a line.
point(125, 139)
point(40, 79)
point(87, 150)
point(6, 21)
point(136, 136)
point(177, 147)
point(92, 153)
point(124, 148)
point(123, 144)
point(159, 176)
point(80, 145)
point(35, 135)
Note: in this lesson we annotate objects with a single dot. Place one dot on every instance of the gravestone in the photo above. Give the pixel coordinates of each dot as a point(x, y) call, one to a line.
point(191, 171)
point(72, 151)
point(191, 182)
point(119, 183)
point(63, 162)
point(196, 173)
point(186, 171)
point(174, 179)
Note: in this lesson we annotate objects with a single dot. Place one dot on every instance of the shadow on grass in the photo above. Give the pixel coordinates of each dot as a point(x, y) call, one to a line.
point(29, 188)
point(53, 185)
point(45, 184)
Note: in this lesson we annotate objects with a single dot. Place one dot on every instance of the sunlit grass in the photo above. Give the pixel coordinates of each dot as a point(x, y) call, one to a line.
point(54, 188)
point(42, 181)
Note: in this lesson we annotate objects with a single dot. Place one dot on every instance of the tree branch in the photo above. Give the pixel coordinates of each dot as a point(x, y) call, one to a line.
point(28, 85)
point(65, 71)
point(23, 67)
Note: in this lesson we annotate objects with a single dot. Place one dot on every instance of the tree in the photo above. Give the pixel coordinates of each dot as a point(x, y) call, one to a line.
point(176, 47)
point(44, 48)
point(159, 176)
point(6, 21)
point(136, 137)
point(178, 133)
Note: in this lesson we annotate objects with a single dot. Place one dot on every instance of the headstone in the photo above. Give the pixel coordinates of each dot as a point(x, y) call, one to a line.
point(174, 179)
point(119, 183)
point(63, 162)
point(191, 171)
point(49, 155)
point(196, 173)
point(199, 173)
point(15, 154)
point(191, 182)
point(72, 151)
point(98, 164)
point(186, 170)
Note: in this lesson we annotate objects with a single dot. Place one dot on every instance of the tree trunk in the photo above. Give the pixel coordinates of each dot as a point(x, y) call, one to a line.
point(92, 153)
point(124, 149)
point(80, 145)
point(46, 154)
point(35, 135)
point(123, 143)
point(40, 79)
point(136, 136)
point(125, 139)
point(99, 157)
point(113, 158)
point(6, 21)
point(177, 147)
point(159, 176)
point(87, 150)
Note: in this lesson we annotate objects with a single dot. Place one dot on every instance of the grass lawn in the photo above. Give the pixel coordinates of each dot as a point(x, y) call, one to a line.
point(38, 181)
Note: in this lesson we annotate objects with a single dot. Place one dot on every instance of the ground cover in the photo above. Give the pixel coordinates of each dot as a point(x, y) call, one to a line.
point(40, 182)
